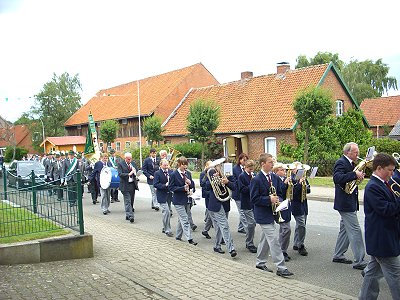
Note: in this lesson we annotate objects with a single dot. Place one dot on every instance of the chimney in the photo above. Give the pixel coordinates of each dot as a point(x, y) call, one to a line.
point(282, 67)
point(246, 75)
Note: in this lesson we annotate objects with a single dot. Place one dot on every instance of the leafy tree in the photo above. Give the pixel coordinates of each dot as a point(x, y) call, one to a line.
point(313, 105)
point(55, 103)
point(13, 152)
point(108, 131)
point(23, 120)
point(202, 121)
point(152, 129)
point(318, 59)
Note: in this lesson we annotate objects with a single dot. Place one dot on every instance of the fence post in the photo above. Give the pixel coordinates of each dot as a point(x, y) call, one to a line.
point(34, 200)
point(80, 192)
point(4, 182)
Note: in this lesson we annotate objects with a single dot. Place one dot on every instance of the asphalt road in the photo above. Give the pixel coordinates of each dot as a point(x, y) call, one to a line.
point(322, 228)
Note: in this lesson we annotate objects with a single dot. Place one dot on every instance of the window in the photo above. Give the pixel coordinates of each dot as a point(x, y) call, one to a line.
point(339, 108)
point(270, 145)
point(118, 146)
point(192, 141)
point(127, 145)
point(124, 121)
point(79, 126)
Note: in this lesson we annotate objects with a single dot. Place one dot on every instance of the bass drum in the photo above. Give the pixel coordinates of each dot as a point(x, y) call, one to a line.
point(109, 178)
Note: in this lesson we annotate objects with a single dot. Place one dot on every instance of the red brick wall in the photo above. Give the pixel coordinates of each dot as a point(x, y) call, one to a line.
point(332, 83)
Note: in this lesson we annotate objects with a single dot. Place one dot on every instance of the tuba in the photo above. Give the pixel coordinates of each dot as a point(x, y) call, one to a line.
point(172, 156)
point(362, 166)
point(395, 184)
point(221, 191)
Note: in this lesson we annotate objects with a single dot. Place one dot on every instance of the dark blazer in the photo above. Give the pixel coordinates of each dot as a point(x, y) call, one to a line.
point(237, 170)
point(382, 220)
point(205, 187)
point(299, 208)
point(149, 168)
point(244, 191)
point(342, 173)
point(160, 183)
point(395, 179)
point(287, 213)
point(56, 170)
point(259, 196)
point(177, 185)
point(214, 204)
point(123, 173)
point(72, 176)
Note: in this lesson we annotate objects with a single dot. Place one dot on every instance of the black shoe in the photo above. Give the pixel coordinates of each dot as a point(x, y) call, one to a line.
point(112, 201)
point(205, 233)
point(133, 210)
point(342, 261)
point(219, 250)
point(94, 202)
point(303, 251)
point(286, 256)
point(194, 227)
point(233, 253)
point(252, 249)
point(284, 273)
point(222, 242)
point(131, 219)
point(169, 234)
point(178, 239)
point(264, 268)
point(163, 231)
point(116, 200)
point(295, 248)
point(127, 218)
point(360, 267)
point(242, 231)
point(191, 242)
point(362, 273)
point(153, 207)
point(104, 212)
point(156, 208)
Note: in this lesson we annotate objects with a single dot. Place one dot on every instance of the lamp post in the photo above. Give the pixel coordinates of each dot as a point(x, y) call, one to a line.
point(140, 130)
point(44, 144)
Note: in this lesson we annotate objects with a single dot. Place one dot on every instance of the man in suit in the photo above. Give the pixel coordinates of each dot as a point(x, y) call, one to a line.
point(237, 170)
point(68, 176)
point(382, 230)
point(128, 184)
point(347, 205)
point(150, 166)
point(182, 185)
point(105, 193)
point(113, 162)
point(266, 191)
point(93, 185)
point(164, 195)
point(55, 176)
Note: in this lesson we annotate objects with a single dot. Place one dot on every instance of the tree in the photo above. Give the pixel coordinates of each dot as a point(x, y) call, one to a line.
point(108, 131)
point(202, 121)
point(313, 105)
point(318, 59)
point(55, 103)
point(152, 129)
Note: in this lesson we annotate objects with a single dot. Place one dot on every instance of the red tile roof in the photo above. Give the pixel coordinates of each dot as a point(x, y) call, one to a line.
point(262, 103)
point(158, 94)
point(67, 140)
point(382, 111)
point(20, 132)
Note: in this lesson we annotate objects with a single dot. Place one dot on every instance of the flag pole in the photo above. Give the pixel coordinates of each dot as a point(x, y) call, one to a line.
point(140, 130)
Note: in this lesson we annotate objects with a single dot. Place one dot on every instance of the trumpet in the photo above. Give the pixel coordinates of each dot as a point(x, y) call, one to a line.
point(272, 192)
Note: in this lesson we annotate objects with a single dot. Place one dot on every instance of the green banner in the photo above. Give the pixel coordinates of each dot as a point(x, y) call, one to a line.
point(89, 146)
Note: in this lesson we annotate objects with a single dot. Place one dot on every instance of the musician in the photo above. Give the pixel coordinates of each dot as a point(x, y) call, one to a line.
point(68, 176)
point(245, 204)
point(105, 193)
point(347, 206)
point(181, 184)
point(128, 184)
point(93, 185)
point(263, 197)
point(300, 209)
point(382, 230)
point(205, 193)
point(150, 166)
point(164, 195)
point(55, 176)
point(285, 230)
point(113, 162)
point(237, 170)
point(219, 212)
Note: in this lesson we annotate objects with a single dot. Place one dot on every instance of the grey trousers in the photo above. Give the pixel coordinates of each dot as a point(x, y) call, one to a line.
point(242, 218)
point(183, 226)
point(249, 226)
point(269, 242)
point(105, 199)
point(207, 220)
point(300, 230)
point(378, 267)
point(128, 202)
point(284, 235)
point(221, 226)
point(154, 202)
point(166, 217)
point(350, 234)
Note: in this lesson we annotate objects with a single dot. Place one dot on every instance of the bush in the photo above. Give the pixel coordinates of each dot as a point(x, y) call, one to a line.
point(386, 145)
point(19, 153)
point(214, 149)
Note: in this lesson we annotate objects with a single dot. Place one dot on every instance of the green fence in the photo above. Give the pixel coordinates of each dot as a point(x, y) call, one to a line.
point(47, 206)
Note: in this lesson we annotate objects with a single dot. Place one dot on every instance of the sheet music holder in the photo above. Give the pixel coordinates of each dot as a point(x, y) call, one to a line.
point(299, 174)
point(228, 169)
point(313, 172)
point(370, 153)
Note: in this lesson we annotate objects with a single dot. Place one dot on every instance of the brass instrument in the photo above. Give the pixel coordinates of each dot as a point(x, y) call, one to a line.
point(362, 166)
point(304, 182)
point(272, 192)
point(172, 156)
point(221, 191)
point(394, 184)
point(396, 156)
point(289, 191)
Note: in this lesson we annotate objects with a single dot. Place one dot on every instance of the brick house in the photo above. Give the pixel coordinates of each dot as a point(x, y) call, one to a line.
point(18, 135)
point(382, 114)
point(158, 95)
point(257, 112)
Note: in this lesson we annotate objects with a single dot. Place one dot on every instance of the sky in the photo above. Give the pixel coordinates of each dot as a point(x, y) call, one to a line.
point(109, 43)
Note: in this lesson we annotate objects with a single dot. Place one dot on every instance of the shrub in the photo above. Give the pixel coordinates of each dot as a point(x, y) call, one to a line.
point(19, 153)
point(386, 145)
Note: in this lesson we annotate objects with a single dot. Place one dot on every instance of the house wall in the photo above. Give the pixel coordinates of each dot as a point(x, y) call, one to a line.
point(332, 83)
point(381, 133)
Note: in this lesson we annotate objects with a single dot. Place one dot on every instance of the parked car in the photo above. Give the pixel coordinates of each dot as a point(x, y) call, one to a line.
point(20, 171)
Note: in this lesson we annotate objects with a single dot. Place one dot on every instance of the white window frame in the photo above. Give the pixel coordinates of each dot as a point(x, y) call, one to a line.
point(267, 149)
point(127, 144)
point(192, 141)
point(117, 146)
point(339, 108)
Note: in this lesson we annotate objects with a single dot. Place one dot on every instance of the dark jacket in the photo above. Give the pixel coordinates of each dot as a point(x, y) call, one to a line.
point(123, 173)
point(299, 208)
point(214, 204)
point(237, 170)
point(177, 185)
point(149, 168)
point(160, 183)
point(244, 191)
point(205, 187)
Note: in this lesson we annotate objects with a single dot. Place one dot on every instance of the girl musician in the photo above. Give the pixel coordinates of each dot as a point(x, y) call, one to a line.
point(205, 193)
point(237, 170)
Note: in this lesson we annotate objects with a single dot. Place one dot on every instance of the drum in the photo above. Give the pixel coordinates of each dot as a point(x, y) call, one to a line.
point(109, 178)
